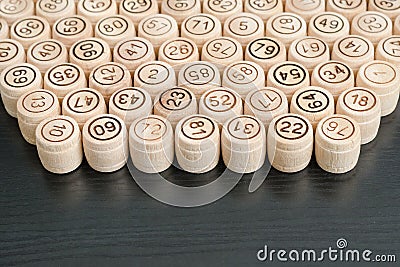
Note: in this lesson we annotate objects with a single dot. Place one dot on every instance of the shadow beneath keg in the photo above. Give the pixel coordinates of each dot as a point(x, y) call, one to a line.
point(176, 175)
point(167, 192)
point(252, 180)
point(85, 181)
point(388, 131)
point(117, 184)
point(70, 188)
point(289, 187)
point(329, 186)
point(344, 187)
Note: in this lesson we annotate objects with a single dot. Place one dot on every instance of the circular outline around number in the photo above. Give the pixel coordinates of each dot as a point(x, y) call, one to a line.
point(251, 5)
point(263, 90)
point(194, 3)
point(140, 41)
point(36, 91)
point(16, 49)
point(290, 64)
point(70, 19)
point(329, 14)
point(309, 111)
point(180, 40)
point(129, 89)
point(201, 117)
point(23, 66)
point(58, 119)
point(157, 17)
point(83, 91)
point(199, 64)
point(196, 16)
point(22, 9)
point(248, 17)
point(336, 63)
point(92, 11)
point(347, 8)
point(338, 117)
point(309, 38)
point(219, 90)
point(111, 17)
point(75, 45)
point(47, 41)
point(358, 89)
point(387, 9)
point(353, 37)
point(380, 63)
point(376, 14)
point(61, 65)
point(172, 89)
point(291, 116)
point(225, 39)
point(153, 64)
point(265, 38)
point(295, 6)
point(290, 16)
point(108, 64)
point(216, 11)
point(29, 37)
point(242, 63)
point(238, 118)
point(104, 117)
point(53, 12)
point(383, 46)
point(122, 4)
point(154, 118)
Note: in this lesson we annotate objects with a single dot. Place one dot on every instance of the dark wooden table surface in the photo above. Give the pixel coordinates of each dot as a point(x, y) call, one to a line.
point(91, 219)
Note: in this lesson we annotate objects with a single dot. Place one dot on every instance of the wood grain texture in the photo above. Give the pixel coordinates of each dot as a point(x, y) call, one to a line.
point(29, 10)
point(360, 27)
point(349, 12)
point(15, 56)
point(275, 27)
point(124, 29)
point(304, 10)
point(309, 51)
point(87, 218)
point(41, 32)
point(85, 9)
point(146, 9)
point(396, 29)
point(254, 30)
point(59, 9)
point(265, 58)
point(217, 9)
point(354, 58)
point(180, 12)
point(83, 25)
point(200, 35)
point(158, 37)
point(326, 33)
point(269, 9)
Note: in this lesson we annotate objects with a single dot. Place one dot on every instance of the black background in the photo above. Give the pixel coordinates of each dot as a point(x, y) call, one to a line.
point(93, 219)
